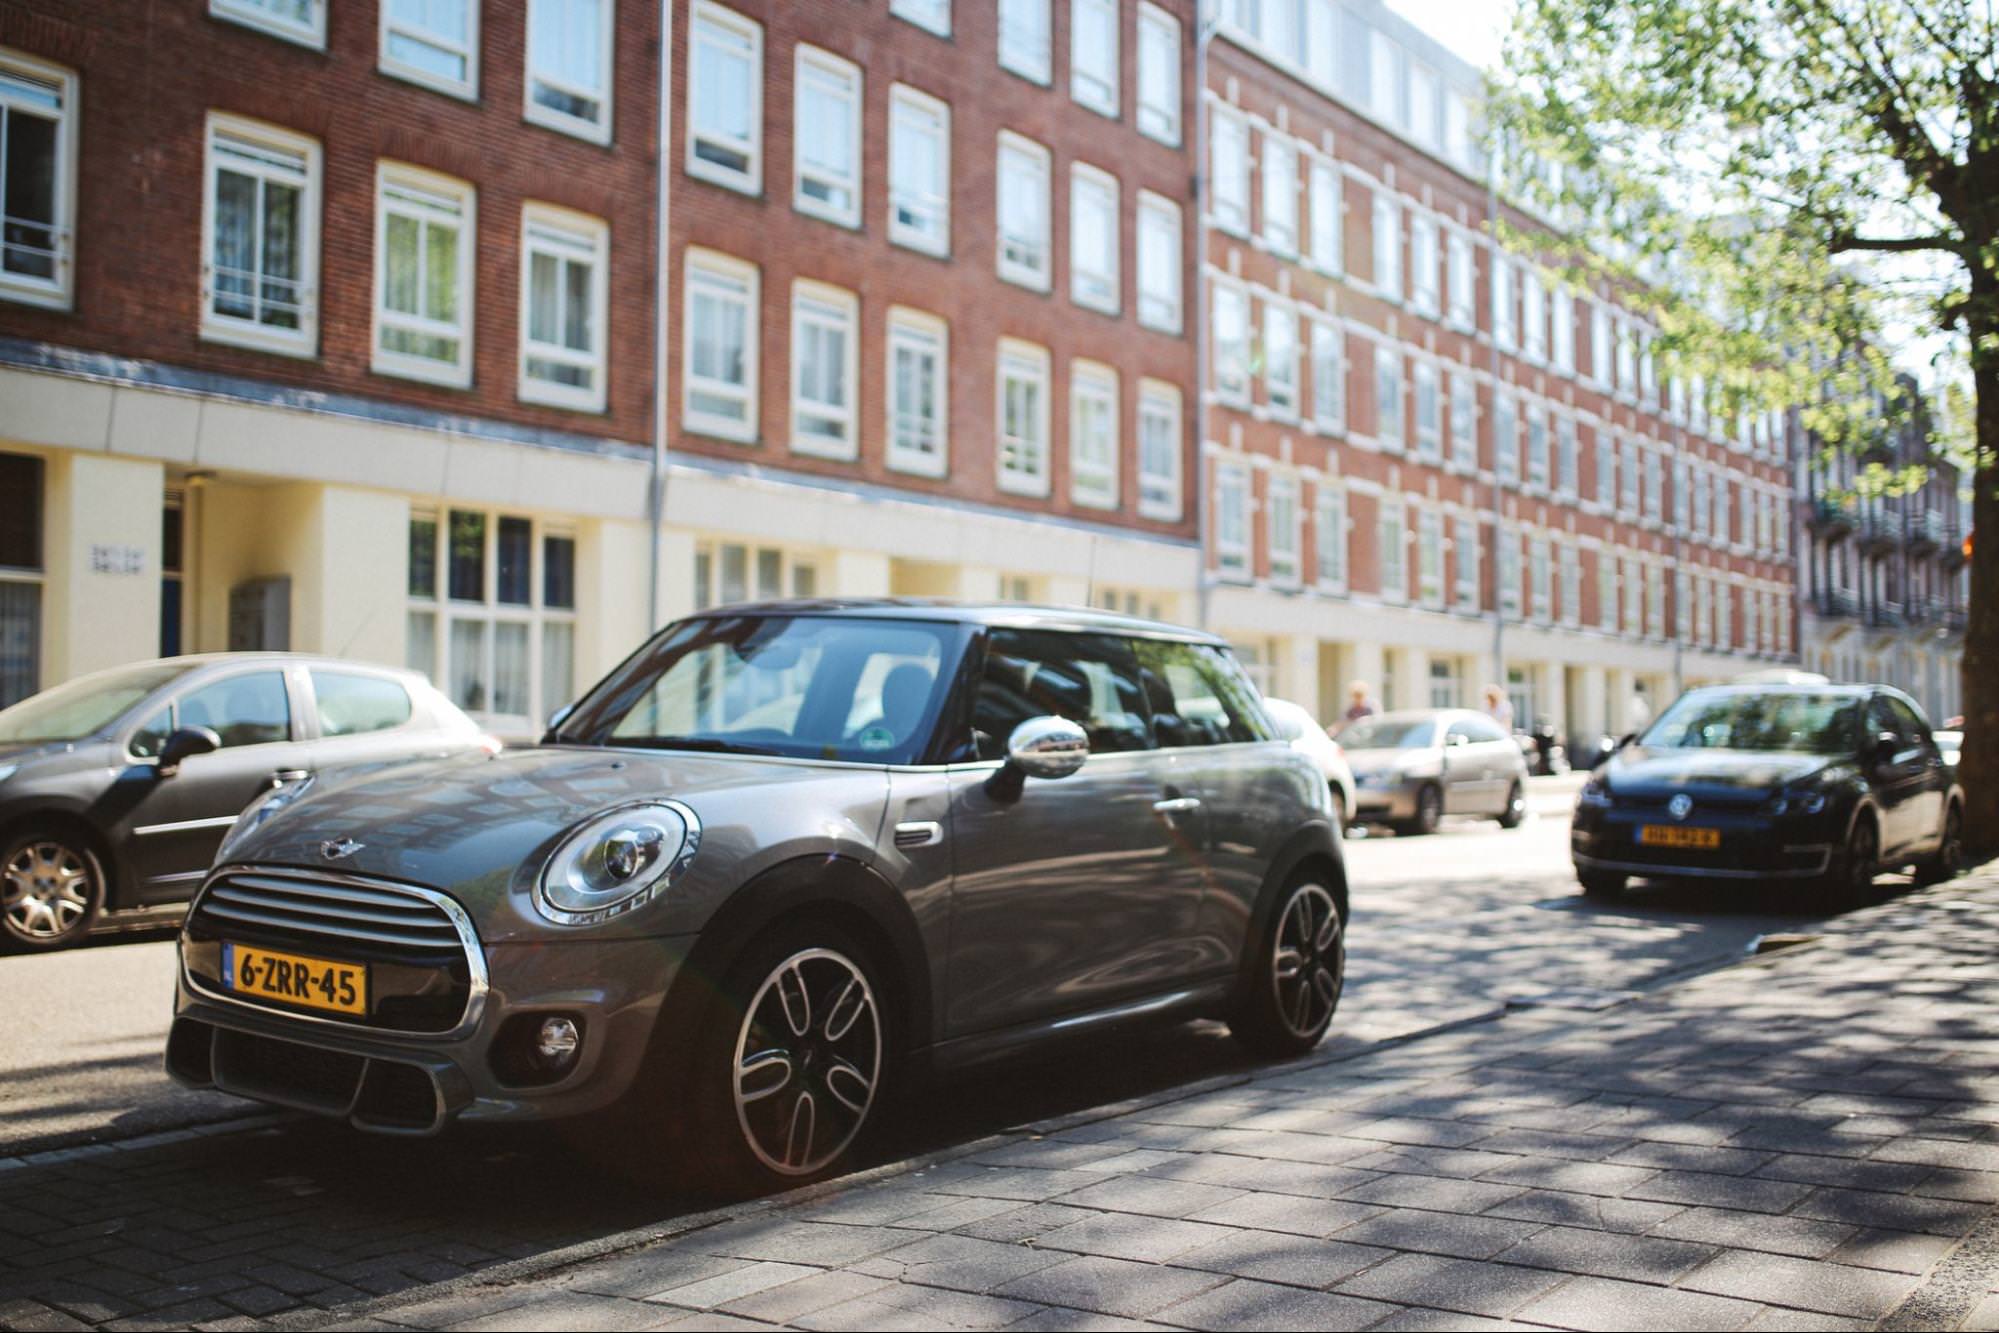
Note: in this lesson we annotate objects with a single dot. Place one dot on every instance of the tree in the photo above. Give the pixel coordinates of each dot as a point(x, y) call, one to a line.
point(1800, 189)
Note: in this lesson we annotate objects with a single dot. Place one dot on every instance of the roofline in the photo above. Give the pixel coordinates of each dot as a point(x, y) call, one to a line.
point(1012, 615)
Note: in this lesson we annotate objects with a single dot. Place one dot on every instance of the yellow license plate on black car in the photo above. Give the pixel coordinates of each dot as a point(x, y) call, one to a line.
point(316, 983)
point(1671, 835)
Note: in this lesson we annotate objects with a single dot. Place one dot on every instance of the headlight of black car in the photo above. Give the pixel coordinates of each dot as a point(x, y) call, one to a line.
point(1595, 794)
point(261, 811)
point(1809, 802)
point(617, 861)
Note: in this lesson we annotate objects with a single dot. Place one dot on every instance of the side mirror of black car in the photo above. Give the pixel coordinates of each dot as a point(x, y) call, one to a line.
point(184, 743)
point(1886, 746)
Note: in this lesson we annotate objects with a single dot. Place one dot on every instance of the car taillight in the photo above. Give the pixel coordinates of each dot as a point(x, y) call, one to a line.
point(491, 744)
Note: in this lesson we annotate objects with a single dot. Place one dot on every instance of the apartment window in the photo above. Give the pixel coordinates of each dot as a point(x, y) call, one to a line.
point(1393, 535)
point(1599, 345)
point(569, 64)
point(20, 577)
point(491, 614)
point(1506, 439)
point(433, 42)
point(1464, 422)
point(1159, 446)
point(1563, 317)
point(1159, 262)
point(1093, 435)
point(1388, 247)
point(1632, 478)
point(826, 154)
point(261, 237)
point(1458, 267)
point(1425, 115)
point(1280, 194)
point(1634, 606)
point(919, 171)
point(1627, 361)
point(918, 391)
point(1701, 504)
point(1505, 316)
point(1654, 502)
point(1682, 501)
point(1606, 590)
point(1093, 54)
point(1384, 85)
point(1655, 601)
point(1508, 574)
point(1023, 417)
point(1329, 538)
point(725, 99)
point(1232, 518)
point(932, 15)
point(1424, 274)
point(1329, 376)
point(1429, 420)
point(1683, 605)
point(1606, 469)
point(1326, 217)
point(38, 148)
point(720, 345)
point(424, 239)
point(1539, 574)
point(1537, 447)
point(1568, 462)
point(1229, 150)
point(1093, 238)
point(1280, 359)
point(1533, 315)
point(727, 573)
point(1282, 533)
point(1466, 548)
point(1457, 130)
point(1430, 558)
point(1023, 211)
point(564, 281)
point(1158, 74)
point(1388, 403)
point(1572, 585)
point(1231, 309)
point(824, 337)
point(1024, 39)
point(301, 21)
point(1724, 523)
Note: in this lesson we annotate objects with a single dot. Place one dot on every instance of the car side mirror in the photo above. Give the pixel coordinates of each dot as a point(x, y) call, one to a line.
point(1047, 747)
point(555, 721)
point(186, 742)
point(1628, 739)
point(1456, 739)
point(1886, 746)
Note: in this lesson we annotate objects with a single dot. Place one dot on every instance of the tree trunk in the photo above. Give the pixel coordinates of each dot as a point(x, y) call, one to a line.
point(1978, 771)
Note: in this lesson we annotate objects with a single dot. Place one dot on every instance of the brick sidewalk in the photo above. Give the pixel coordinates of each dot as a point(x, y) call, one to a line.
point(1803, 1141)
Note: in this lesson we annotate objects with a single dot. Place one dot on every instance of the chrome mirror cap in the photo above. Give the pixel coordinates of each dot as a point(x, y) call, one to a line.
point(1047, 747)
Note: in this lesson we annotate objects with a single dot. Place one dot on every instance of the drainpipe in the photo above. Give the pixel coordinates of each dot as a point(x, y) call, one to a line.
point(1204, 32)
point(1498, 516)
point(656, 491)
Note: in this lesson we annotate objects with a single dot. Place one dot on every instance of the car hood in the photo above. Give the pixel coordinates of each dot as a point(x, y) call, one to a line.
point(1639, 772)
point(480, 828)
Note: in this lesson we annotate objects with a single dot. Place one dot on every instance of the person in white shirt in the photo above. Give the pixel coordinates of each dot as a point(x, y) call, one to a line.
point(1498, 707)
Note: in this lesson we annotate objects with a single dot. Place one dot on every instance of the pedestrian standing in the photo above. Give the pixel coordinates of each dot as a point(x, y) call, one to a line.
point(1360, 703)
point(1499, 708)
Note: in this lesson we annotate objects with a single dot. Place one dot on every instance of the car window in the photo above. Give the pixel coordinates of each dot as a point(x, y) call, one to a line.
point(250, 709)
point(1482, 729)
point(1090, 679)
point(1908, 722)
point(1390, 733)
point(1790, 721)
point(1197, 695)
point(351, 704)
point(152, 735)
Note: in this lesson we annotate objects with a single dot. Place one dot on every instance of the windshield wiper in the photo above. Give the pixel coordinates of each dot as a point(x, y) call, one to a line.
point(703, 744)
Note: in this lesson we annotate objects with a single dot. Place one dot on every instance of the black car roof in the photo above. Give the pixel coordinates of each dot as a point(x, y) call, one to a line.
point(1012, 615)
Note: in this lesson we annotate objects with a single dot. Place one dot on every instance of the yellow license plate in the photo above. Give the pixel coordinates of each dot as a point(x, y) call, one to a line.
point(1669, 835)
point(316, 983)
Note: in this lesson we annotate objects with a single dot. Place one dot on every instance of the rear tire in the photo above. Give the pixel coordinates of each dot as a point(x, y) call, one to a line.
point(51, 890)
point(1515, 812)
point(1598, 887)
point(1301, 966)
point(1948, 862)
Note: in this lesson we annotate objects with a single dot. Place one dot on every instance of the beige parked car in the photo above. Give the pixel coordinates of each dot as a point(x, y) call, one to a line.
point(1413, 768)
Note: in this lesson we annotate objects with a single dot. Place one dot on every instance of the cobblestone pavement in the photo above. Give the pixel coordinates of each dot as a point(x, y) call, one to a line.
point(1802, 1141)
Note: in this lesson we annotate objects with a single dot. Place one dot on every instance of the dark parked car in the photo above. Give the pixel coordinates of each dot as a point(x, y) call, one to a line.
point(116, 787)
point(1412, 768)
point(778, 861)
point(1823, 784)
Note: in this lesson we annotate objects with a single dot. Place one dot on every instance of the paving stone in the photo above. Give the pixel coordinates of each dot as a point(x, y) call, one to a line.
point(784, 1240)
point(1020, 1222)
point(1547, 1143)
point(1558, 1173)
point(1288, 1213)
point(894, 1307)
point(1693, 1157)
point(1130, 1236)
point(1151, 1195)
point(1602, 1303)
point(1775, 1320)
point(34, 1317)
point(1845, 1172)
point(1110, 1286)
point(960, 1263)
point(1458, 1163)
point(1309, 1180)
point(1827, 1288)
point(1433, 1192)
point(1801, 1237)
point(648, 1272)
point(1056, 1319)
point(1895, 1251)
point(708, 1292)
point(1298, 1261)
point(1468, 1286)
point(1465, 1237)
point(787, 1303)
point(1707, 1189)
point(1584, 1210)
point(562, 1311)
point(1443, 1321)
point(1605, 1254)
point(1942, 1217)
point(1244, 1304)
point(1023, 1184)
point(1949, 1183)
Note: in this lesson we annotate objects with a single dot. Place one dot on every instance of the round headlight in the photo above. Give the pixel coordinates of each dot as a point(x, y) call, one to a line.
point(617, 861)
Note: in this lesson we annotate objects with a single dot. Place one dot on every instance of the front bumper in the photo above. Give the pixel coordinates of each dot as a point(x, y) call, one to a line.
point(1753, 847)
point(1386, 804)
point(404, 1083)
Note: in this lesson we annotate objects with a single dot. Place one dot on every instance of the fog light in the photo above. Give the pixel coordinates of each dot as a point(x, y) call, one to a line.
point(556, 1042)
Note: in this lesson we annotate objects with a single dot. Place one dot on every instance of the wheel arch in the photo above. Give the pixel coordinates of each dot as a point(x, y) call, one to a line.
point(1311, 848)
point(75, 822)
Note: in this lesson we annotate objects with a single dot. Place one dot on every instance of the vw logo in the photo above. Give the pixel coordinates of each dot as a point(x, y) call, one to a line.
point(1680, 806)
point(339, 849)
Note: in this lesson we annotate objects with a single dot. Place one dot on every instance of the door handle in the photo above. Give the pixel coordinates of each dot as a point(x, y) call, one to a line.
point(1177, 805)
point(284, 775)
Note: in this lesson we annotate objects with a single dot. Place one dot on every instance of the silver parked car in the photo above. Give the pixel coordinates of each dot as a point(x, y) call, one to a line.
point(778, 861)
point(1310, 739)
point(1413, 768)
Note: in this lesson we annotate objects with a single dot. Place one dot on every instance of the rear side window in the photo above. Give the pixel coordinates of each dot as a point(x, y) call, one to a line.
point(1482, 729)
point(1090, 679)
point(1198, 695)
point(250, 709)
point(352, 705)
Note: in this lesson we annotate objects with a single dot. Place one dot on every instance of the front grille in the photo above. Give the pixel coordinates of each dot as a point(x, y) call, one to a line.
point(421, 968)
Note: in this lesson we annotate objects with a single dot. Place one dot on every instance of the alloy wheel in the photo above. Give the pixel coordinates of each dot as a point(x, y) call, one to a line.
point(45, 890)
point(1429, 810)
point(1862, 856)
point(1308, 964)
point(807, 1060)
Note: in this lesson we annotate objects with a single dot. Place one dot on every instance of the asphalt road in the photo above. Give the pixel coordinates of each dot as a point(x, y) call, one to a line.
point(1445, 928)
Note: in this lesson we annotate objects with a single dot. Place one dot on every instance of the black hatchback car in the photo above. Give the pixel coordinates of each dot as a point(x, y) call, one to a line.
point(1826, 785)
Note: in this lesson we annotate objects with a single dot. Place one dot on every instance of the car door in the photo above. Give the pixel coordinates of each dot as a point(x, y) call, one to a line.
point(1499, 759)
point(1899, 775)
point(1927, 791)
point(1069, 893)
point(1467, 775)
point(171, 831)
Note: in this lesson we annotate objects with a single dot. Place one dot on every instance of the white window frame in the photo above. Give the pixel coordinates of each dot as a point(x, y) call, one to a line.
point(1093, 482)
point(1329, 391)
point(822, 306)
point(1428, 393)
point(1508, 573)
point(1606, 470)
point(1036, 66)
point(1505, 315)
point(1329, 539)
point(905, 106)
point(466, 88)
point(1387, 246)
point(250, 14)
point(1506, 439)
point(1097, 284)
point(1158, 223)
point(1030, 363)
point(1391, 545)
point(568, 237)
point(1423, 263)
point(451, 202)
point(933, 16)
point(1607, 591)
point(1465, 546)
point(1562, 337)
point(1018, 150)
point(1571, 575)
point(1430, 558)
point(1537, 447)
point(1099, 90)
point(1464, 421)
point(1283, 530)
point(1599, 346)
point(1160, 493)
point(1280, 360)
point(595, 131)
point(1462, 275)
point(1533, 314)
point(1568, 456)
point(1231, 372)
point(1326, 216)
point(1540, 578)
point(59, 292)
point(840, 78)
point(1228, 165)
point(304, 340)
point(1232, 507)
point(1388, 375)
point(1277, 171)
point(748, 180)
point(1156, 26)
point(721, 269)
point(922, 334)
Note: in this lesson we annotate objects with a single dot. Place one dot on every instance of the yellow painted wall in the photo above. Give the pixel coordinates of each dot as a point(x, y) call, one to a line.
point(100, 617)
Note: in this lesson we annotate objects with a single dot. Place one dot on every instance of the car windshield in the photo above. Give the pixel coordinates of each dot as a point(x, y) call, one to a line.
point(1738, 720)
point(81, 707)
point(811, 687)
point(1390, 733)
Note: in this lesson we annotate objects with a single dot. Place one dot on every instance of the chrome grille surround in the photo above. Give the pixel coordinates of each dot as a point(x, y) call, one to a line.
point(340, 907)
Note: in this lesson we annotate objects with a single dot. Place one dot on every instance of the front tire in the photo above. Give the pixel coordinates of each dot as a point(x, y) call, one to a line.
point(1300, 972)
point(1600, 887)
point(1850, 882)
point(51, 891)
point(1515, 812)
point(1429, 811)
point(1948, 863)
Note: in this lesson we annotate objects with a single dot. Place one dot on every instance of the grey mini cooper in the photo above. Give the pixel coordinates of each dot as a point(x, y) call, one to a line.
point(781, 862)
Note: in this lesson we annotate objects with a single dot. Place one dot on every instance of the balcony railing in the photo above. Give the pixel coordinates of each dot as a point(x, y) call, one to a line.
point(1954, 619)
point(1879, 530)
point(1927, 532)
point(1836, 605)
point(1830, 519)
point(1884, 617)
